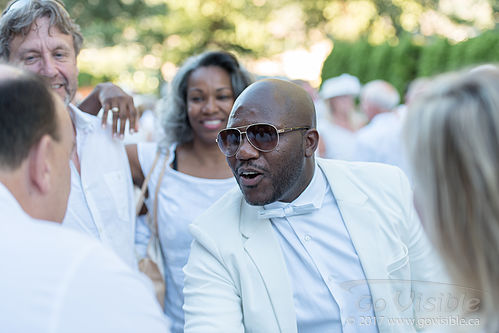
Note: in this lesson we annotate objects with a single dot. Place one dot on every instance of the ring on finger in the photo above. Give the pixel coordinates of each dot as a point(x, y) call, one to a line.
point(115, 109)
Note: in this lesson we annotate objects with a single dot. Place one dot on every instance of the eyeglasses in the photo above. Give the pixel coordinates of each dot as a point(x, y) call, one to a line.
point(263, 137)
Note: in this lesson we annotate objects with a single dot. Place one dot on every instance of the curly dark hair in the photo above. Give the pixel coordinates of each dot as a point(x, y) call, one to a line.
point(173, 108)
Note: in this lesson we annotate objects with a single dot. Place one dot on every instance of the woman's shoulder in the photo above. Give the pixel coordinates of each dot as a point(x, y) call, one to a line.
point(147, 152)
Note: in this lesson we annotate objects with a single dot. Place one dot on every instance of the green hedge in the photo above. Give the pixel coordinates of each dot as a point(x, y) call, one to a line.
point(408, 60)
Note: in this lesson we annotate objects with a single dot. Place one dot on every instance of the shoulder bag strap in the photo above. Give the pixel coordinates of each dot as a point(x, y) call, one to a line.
point(140, 202)
point(154, 231)
point(158, 186)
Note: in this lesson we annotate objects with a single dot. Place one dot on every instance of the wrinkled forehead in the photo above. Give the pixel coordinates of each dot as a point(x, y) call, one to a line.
point(41, 30)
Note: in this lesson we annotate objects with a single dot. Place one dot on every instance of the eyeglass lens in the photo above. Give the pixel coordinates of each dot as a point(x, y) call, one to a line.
point(228, 141)
point(263, 137)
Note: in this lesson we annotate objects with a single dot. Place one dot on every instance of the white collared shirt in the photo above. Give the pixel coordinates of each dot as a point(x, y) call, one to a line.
point(329, 286)
point(101, 202)
point(381, 140)
point(338, 141)
point(56, 280)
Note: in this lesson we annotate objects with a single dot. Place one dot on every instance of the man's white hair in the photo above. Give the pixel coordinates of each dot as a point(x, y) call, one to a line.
point(381, 94)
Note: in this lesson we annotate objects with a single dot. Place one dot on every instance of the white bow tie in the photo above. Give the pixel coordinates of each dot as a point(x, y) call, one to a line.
point(290, 210)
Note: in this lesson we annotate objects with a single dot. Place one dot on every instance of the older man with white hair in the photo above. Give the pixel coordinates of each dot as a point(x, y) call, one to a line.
point(378, 141)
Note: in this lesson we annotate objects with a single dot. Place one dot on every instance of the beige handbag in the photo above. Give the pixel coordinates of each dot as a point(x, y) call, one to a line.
point(152, 264)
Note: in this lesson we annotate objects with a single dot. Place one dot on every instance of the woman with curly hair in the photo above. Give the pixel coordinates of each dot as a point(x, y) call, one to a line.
point(196, 174)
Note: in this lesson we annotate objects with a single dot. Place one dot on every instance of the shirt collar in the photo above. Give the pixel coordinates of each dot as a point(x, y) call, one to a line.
point(81, 120)
point(12, 206)
point(8, 199)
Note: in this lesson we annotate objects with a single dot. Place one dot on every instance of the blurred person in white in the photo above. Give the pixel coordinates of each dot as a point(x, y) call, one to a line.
point(381, 140)
point(54, 279)
point(378, 101)
point(40, 36)
point(320, 107)
point(198, 105)
point(337, 127)
point(148, 124)
point(451, 135)
point(378, 97)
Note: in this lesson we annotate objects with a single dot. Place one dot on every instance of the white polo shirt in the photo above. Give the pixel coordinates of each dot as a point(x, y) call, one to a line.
point(56, 280)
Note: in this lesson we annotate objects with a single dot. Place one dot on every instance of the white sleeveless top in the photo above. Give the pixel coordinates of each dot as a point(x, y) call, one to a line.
point(181, 199)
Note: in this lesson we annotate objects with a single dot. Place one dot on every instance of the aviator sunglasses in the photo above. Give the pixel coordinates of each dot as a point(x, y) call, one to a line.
point(263, 137)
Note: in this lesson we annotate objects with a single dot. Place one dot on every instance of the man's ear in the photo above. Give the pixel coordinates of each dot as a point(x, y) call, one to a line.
point(311, 142)
point(40, 167)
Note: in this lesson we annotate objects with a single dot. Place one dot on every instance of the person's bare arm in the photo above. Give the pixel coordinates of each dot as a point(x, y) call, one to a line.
point(133, 158)
point(111, 97)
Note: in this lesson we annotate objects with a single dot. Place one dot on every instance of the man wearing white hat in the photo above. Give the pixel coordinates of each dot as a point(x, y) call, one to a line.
point(337, 129)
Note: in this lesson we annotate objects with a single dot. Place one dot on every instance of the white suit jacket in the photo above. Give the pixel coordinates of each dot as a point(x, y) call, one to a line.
point(236, 278)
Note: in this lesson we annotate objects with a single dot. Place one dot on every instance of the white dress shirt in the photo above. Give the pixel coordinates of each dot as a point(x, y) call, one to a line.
point(381, 140)
point(338, 141)
point(101, 202)
point(330, 291)
point(182, 198)
point(55, 280)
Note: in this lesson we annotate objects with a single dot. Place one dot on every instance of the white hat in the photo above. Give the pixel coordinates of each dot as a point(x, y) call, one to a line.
point(345, 84)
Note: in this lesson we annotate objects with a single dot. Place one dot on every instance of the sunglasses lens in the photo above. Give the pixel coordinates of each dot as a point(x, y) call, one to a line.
point(262, 136)
point(228, 141)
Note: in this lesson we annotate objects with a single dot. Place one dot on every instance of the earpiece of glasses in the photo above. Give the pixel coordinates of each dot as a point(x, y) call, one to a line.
point(263, 137)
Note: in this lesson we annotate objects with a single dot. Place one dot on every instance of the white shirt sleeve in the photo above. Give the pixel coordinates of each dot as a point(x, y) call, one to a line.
point(111, 296)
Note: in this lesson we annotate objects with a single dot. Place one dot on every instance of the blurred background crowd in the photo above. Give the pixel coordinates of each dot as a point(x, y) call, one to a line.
point(139, 46)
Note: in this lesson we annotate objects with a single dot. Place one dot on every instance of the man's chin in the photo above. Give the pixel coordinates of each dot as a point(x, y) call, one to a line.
point(257, 200)
point(65, 95)
point(256, 195)
point(62, 94)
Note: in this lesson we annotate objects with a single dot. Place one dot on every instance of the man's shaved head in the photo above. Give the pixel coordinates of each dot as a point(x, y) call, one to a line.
point(281, 174)
point(298, 106)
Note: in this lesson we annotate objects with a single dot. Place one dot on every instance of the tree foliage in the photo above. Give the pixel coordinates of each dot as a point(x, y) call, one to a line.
point(408, 60)
point(146, 34)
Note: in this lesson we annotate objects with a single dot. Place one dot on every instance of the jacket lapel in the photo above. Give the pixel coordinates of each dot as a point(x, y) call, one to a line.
point(359, 218)
point(263, 248)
